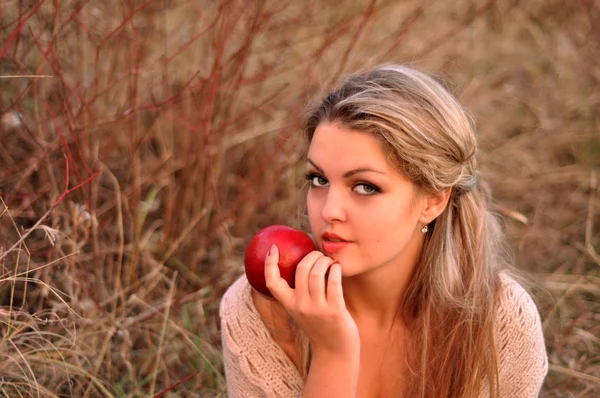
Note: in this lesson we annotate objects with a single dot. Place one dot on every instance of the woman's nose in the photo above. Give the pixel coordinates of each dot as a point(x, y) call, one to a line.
point(333, 207)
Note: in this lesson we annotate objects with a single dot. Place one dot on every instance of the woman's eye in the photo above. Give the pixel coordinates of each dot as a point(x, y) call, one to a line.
point(316, 180)
point(366, 189)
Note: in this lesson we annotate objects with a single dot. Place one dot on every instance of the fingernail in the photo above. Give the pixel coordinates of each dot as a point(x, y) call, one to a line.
point(273, 250)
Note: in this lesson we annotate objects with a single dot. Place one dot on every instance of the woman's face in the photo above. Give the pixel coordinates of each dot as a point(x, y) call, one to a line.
point(363, 213)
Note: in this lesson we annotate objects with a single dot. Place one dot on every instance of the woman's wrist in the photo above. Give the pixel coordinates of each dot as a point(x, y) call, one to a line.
point(350, 353)
point(334, 372)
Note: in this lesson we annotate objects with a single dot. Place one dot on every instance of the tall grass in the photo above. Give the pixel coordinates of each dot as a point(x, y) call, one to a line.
point(143, 143)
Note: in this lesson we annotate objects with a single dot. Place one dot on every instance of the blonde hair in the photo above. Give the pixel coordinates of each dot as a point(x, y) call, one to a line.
point(430, 138)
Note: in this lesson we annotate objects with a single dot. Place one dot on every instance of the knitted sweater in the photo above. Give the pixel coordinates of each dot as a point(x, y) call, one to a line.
point(256, 366)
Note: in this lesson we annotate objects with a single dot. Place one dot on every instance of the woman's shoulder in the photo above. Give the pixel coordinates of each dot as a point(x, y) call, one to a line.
point(523, 362)
point(239, 303)
point(250, 353)
point(239, 315)
point(517, 315)
point(514, 305)
point(234, 300)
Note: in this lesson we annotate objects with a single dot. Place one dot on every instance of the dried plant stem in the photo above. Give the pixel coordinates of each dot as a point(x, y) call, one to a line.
point(24, 236)
point(574, 373)
point(23, 76)
point(76, 369)
point(27, 364)
point(121, 235)
point(15, 32)
point(183, 235)
point(162, 334)
point(28, 271)
point(129, 322)
point(12, 285)
point(106, 344)
point(166, 390)
point(589, 247)
point(58, 201)
point(560, 302)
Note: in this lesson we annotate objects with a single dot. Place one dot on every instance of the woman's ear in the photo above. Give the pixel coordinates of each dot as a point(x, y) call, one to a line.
point(435, 204)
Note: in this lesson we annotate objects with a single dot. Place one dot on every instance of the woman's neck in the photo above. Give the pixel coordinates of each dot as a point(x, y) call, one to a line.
point(375, 297)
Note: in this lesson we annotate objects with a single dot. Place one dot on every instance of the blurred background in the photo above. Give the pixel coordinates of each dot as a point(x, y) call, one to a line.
point(143, 143)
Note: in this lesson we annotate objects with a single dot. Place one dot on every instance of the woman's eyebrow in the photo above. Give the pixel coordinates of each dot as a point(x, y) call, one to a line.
point(320, 170)
point(348, 173)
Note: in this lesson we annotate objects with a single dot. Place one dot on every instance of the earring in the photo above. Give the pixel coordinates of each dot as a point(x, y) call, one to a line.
point(424, 229)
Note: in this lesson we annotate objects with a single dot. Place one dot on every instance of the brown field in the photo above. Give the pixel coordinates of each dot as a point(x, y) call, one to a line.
point(143, 143)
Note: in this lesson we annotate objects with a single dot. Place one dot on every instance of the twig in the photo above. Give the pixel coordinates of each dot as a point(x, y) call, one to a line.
point(520, 217)
point(18, 29)
point(29, 231)
point(60, 199)
point(23, 76)
point(78, 370)
point(571, 289)
point(129, 18)
point(47, 286)
point(367, 15)
point(162, 334)
point(12, 220)
point(166, 390)
point(183, 235)
point(121, 234)
point(574, 373)
point(76, 187)
point(185, 334)
point(150, 312)
point(443, 39)
point(589, 248)
point(64, 141)
point(5, 277)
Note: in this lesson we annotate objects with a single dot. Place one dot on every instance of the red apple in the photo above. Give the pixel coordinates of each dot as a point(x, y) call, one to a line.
point(293, 245)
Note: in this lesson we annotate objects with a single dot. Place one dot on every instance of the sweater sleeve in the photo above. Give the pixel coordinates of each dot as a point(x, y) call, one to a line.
point(523, 362)
point(255, 365)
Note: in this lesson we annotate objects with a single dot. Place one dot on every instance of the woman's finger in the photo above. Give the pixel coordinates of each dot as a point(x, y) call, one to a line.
point(335, 293)
point(302, 274)
point(278, 286)
point(316, 282)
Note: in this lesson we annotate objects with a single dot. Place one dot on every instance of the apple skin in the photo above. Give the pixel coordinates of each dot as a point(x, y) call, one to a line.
point(293, 244)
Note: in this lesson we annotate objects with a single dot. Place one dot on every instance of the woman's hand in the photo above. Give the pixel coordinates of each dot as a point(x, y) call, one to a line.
point(316, 304)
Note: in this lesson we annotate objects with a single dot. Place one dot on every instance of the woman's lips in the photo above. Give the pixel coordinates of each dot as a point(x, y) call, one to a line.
point(333, 246)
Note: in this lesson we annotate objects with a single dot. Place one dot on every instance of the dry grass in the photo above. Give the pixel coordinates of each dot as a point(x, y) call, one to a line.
point(142, 143)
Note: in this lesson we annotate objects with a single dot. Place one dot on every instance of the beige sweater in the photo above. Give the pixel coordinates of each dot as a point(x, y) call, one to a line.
point(256, 366)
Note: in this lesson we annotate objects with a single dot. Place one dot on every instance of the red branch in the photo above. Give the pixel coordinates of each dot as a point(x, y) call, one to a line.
point(166, 390)
point(74, 135)
point(129, 18)
point(65, 144)
point(16, 31)
point(76, 187)
point(55, 68)
point(85, 28)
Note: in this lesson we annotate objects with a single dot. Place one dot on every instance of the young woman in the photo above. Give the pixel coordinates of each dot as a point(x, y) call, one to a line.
point(409, 294)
